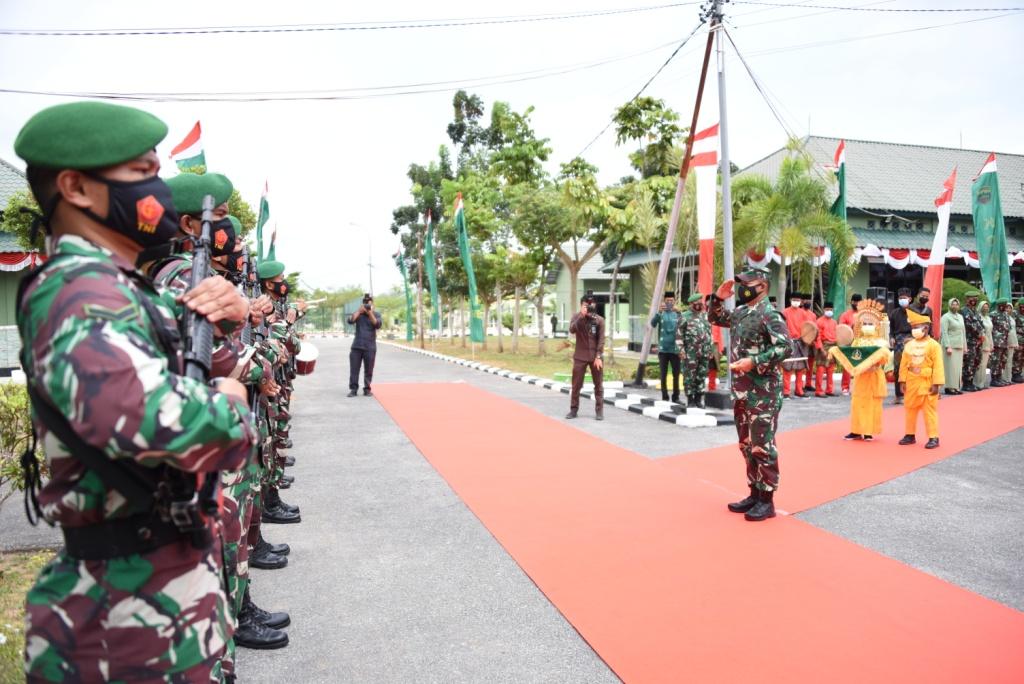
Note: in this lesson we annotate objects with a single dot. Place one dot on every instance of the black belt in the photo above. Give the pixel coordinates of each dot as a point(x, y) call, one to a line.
point(138, 534)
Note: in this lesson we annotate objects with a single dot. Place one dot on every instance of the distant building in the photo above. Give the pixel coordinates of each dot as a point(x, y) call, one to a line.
point(591, 277)
point(13, 262)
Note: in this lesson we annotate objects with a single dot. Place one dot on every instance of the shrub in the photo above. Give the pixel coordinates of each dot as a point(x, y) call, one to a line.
point(15, 437)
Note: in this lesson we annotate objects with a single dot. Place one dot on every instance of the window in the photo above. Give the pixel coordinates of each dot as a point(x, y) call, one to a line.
point(920, 227)
point(871, 223)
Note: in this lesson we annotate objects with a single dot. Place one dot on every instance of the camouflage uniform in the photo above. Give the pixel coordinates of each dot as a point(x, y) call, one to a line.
point(1018, 355)
point(974, 329)
point(698, 349)
point(1000, 342)
point(758, 332)
point(91, 351)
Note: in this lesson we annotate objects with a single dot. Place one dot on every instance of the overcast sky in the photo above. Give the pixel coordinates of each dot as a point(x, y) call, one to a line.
point(337, 168)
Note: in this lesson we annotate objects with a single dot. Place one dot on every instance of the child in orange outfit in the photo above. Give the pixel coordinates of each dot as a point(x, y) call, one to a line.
point(922, 374)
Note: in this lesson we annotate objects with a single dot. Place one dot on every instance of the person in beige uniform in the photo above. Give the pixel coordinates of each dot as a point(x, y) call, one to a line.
point(588, 328)
point(1011, 346)
point(981, 377)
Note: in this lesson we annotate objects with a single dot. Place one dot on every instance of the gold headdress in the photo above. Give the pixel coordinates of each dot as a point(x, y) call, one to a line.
point(872, 312)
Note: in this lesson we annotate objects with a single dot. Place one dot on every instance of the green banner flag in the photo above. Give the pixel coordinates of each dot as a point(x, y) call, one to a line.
point(260, 222)
point(400, 261)
point(476, 326)
point(836, 282)
point(990, 232)
point(435, 301)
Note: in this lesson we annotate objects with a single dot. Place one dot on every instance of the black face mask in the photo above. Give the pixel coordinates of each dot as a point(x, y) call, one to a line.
point(142, 211)
point(807, 305)
point(280, 289)
point(746, 294)
point(222, 238)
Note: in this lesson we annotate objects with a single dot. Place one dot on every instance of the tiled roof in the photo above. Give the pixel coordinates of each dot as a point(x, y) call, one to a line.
point(639, 258)
point(900, 239)
point(12, 180)
point(891, 177)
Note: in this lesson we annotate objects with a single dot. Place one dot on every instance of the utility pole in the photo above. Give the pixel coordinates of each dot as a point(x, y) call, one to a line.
point(726, 172)
point(369, 263)
point(419, 290)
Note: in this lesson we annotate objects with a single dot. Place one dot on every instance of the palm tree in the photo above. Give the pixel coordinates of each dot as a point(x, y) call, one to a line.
point(792, 215)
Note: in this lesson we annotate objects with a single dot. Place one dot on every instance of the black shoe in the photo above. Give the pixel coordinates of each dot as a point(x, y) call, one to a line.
point(599, 416)
point(289, 479)
point(278, 516)
point(367, 393)
point(949, 391)
point(1017, 379)
point(897, 400)
point(763, 509)
point(266, 560)
point(808, 388)
point(675, 398)
point(970, 388)
point(908, 439)
point(254, 634)
point(278, 620)
point(746, 504)
point(289, 461)
point(664, 397)
point(279, 549)
point(999, 383)
point(284, 485)
point(287, 443)
point(570, 415)
point(700, 400)
point(933, 443)
point(273, 500)
point(853, 436)
point(868, 438)
point(353, 393)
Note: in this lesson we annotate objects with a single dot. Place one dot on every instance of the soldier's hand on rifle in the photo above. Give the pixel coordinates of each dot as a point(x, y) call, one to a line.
point(744, 365)
point(218, 300)
point(291, 315)
point(262, 304)
point(232, 388)
point(724, 290)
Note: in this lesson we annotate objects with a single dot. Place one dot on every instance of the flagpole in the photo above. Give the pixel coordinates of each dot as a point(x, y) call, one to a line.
point(673, 222)
point(723, 130)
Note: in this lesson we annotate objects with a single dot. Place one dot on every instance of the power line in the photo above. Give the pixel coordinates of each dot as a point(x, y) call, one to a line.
point(794, 18)
point(643, 88)
point(341, 26)
point(881, 9)
point(360, 93)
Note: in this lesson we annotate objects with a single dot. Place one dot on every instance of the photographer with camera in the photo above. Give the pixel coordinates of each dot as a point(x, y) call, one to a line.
point(364, 347)
point(589, 330)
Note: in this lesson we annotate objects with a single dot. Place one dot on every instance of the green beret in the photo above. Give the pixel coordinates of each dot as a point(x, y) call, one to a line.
point(87, 135)
point(1020, 302)
point(269, 270)
point(189, 189)
point(1002, 300)
point(972, 293)
point(695, 297)
point(750, 273)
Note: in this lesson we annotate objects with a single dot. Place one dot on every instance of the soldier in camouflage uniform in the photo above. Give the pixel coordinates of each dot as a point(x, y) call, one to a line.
point(974, 334)
point(758, 344)
point(135, 594)
point(1000, 342)
point(696, 349)
point(1018, 355)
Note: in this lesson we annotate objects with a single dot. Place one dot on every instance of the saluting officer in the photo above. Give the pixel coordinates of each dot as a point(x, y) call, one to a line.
point(588, 327)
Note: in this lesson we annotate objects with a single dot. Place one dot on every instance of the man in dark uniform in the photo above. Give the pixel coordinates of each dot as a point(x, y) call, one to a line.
point(899, 333)
point(1018, 355)
point(974, 329)
point(364, 347)
point(588, 328)
point(667, 320)
point(1000, 341)
point(758, 344)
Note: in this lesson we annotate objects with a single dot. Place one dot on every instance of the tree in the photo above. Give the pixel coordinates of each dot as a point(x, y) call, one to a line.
point(587, 209)
point(646, 119)
point(794, 218)
point(19, 223)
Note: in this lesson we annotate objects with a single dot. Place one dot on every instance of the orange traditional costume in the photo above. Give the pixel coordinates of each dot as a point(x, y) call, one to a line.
point(923, 372)
point(865, 358)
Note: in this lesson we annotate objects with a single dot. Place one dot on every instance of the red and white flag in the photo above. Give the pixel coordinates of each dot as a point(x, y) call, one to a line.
point(937, 259)
point(189, 153)
point(704, 162)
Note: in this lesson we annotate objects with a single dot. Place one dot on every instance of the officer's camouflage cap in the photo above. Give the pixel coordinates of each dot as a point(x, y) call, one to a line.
point(695, 297)
point(189, 189)
point(87, 135)
point(751, 274)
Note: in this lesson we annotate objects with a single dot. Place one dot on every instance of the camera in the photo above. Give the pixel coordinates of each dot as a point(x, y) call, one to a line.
point(367, 301)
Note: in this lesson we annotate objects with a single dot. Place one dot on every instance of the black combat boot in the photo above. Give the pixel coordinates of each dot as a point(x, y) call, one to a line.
point(763, 509)
point(599, 413)
point(1017, 379)
point(279, 549)
point(286, 479)
point(278, 620)
point(664, 395)
point(289, 461)
point(570, 415)
point(699, 396)
point(353, 393)
point(675, 398)
point(251, 633)
point(279, 516)
point(746, 504)
point(273, 500)
point(263, 558)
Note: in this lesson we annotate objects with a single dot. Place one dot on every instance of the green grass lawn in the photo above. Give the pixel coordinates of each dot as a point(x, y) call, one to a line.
point(18, 571)
point(557, 359)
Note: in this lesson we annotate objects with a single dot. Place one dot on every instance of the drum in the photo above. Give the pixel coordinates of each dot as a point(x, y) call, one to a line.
point(305, 362)
point(844, 335)
point(809, 333)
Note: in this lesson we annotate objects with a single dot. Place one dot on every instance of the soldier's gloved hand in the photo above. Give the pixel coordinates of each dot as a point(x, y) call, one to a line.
point(232, 388)
point(218, 300)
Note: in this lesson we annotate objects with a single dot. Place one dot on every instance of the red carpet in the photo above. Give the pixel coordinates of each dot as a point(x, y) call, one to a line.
point(818, 466)
point(647, 565)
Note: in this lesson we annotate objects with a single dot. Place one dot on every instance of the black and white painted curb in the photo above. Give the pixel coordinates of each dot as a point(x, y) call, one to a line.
point(614, 393)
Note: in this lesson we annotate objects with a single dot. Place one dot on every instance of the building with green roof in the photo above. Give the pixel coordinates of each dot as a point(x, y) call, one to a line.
point(13, 262)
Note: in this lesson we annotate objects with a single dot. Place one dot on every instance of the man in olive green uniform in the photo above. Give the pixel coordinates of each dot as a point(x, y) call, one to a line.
point(1000, 342)
point(697, 349)
point(974, 333)
point(1018, 355)
point(135, 594)
point(758, 344)
point(667, 320)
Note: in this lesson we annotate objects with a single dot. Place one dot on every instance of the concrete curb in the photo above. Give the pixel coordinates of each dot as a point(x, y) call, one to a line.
point(614, 394)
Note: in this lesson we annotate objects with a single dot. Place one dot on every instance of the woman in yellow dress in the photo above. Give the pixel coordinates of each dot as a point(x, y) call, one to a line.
point(867, 370)
point(923, 374)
